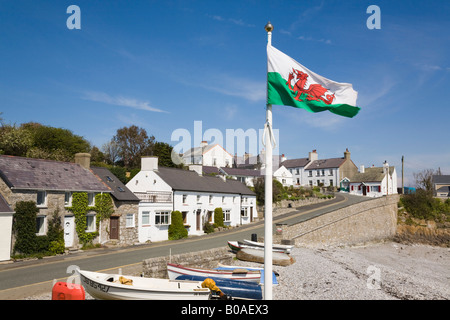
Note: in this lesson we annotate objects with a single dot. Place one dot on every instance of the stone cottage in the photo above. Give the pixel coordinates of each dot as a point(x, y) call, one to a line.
point(51, 184)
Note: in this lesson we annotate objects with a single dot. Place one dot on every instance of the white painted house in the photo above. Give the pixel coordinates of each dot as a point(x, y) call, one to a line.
point(284, 176)
point(208, 155)
point(374, 181)
point(6, 219)
point(163, 190)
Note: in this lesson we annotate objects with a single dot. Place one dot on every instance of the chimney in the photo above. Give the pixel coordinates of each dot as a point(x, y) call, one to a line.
point(283, 157)
point(361, 169)
point(83, 159)
point(347, 154)
point(385, 167)
point(313, 156)
point(197, 168)
point(203, 144)
point(149, 163)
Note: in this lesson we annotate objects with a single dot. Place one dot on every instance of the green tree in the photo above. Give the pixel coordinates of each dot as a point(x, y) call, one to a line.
point(176, 227)
point(218, 217)
point(133, 143)
point(163, 151)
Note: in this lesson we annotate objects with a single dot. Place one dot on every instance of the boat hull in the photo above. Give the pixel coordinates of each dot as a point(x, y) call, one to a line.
point(275, 247)
point(175, 270)
point(103, 286)
point(236, 289)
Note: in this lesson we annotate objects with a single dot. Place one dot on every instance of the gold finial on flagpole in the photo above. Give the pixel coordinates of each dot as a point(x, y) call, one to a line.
point(268, 27)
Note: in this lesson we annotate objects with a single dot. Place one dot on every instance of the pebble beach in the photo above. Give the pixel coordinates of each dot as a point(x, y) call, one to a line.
point(378, 271)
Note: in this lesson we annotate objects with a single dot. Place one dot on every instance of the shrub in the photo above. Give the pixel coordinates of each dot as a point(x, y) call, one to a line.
point(56, 247)
point(176, 228)
point(25, 227)
point(218, 217)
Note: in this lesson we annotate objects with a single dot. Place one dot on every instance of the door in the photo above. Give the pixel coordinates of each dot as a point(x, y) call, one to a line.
point(114, 228)
point(198, 220)
point(251, 214)
point(69, 224)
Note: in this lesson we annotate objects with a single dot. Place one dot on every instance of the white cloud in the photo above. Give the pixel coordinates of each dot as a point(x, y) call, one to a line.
point(119, 101)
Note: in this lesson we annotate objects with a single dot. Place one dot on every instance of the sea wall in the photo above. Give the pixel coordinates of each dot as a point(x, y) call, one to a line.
point(355, 224)
point(207, 259)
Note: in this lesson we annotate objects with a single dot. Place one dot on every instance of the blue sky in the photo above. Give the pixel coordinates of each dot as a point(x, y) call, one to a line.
point(162, 65)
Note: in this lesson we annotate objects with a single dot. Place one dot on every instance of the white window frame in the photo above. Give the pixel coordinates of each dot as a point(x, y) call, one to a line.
point(184, 198)
point(40, 225)
point(145, 218)
point(163, 217)
point(68, 203)
point(44, 203)
point(91, 199)
point(129, 220)
point(226, 215)
point(90, 225)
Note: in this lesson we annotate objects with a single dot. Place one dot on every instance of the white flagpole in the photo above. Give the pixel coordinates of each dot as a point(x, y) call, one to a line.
point(268, 194)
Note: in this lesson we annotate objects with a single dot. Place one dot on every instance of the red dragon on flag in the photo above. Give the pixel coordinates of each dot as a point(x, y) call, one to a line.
point(313, 92)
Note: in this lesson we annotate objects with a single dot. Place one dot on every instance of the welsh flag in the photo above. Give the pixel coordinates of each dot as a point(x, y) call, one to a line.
point(291, 84)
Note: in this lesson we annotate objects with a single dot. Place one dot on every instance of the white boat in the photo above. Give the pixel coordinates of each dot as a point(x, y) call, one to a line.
point(276, 247)
point(105, 286)
point(175, 270)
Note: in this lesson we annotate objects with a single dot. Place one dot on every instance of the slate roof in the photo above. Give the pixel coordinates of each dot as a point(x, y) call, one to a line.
point(184, 180)
point(295, 163)
point(118, 190)
point(373, 174)
point(439, 179)
point(241, 172)
point(4, 207)
point(38, 174)
point(326, 163)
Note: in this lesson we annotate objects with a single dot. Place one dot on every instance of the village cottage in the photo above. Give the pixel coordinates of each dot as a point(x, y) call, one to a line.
point(51, 185)
point(374, 181)
point(6, 218)
point(163, 190)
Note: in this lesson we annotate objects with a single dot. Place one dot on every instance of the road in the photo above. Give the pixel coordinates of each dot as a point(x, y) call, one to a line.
point(26, 278)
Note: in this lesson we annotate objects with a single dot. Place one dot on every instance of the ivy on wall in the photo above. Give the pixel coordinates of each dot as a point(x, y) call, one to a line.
point(80, 207)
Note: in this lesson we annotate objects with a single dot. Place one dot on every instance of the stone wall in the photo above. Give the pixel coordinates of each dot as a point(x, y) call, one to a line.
point(207, 259)
point(286, 206)
point(359, 223)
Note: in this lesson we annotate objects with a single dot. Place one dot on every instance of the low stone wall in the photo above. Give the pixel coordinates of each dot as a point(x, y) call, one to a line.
point(286, 206)
point(359, 223)
point(207, 259)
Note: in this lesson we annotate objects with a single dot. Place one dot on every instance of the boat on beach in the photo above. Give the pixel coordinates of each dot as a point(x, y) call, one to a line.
point(105, 286)
point(276, 247)
point(227, 267)
point(175, 270)
point(247, 244)
point(240, 290)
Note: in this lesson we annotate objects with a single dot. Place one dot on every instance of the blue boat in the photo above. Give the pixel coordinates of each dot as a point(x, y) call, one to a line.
point(234, 288)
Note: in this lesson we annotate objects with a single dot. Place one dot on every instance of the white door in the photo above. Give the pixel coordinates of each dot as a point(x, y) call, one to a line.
point(69, 228)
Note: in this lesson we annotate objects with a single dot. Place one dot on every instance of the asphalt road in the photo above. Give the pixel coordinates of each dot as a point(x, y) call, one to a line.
point(26, 278)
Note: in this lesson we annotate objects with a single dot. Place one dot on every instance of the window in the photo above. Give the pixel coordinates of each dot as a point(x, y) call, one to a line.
point(120, 189)
point(297, 171)
point(68, 199)
point(331, 182)
point(234, 199)
point(145, 218)
point(198, 199)
point(310, 173)
point(210, 198)
point(317, 173)
point(91, 199)
point(109, 179)
point(40, 220)
point(244, 211)
point(226, 215)
point(184, 198)
point(298, 181)
point(162, 218)
point(90, 222)
point(323, 172)
point(184, 215)
point(130, 220)
point(330, 173)
point(41, 200)
point(223, 199)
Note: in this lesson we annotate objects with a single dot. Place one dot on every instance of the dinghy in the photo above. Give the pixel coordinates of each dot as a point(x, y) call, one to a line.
point(276, 247)
point(229, 268)
point(106, 286)
point(234, 288)
point(175, 270)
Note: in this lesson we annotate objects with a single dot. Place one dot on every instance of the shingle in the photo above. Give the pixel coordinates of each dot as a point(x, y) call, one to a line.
point(39, 174)
point(295, 163)
point(326, 163)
